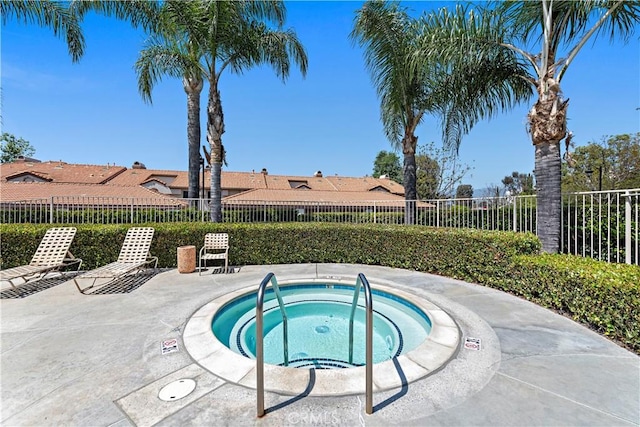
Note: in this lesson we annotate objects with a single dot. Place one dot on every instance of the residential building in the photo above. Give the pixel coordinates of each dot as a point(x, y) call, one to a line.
point(28, 179)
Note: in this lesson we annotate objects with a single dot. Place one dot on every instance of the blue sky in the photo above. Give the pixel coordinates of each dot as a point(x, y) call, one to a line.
point(91, 113)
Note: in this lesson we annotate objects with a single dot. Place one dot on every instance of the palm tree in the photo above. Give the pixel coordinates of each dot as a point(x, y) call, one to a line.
point(173, 52)
point(555, 24)
point(235, 35)
point(414, 78)
point(53, 15)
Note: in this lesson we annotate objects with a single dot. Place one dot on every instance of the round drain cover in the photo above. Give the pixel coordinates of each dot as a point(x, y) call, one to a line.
point(322, 329)
point(177, 389)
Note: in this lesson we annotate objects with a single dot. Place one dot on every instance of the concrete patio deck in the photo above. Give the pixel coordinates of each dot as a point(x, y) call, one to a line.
point(95, 360)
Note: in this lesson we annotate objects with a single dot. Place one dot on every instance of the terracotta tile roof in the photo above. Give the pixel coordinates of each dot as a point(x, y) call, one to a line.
point(286, 182)
point(239, 180)
point(173, 179)
point(180, 179)
point(108, 194)
point(20, 176)
point(349, 198)
point(58, 171)
point(246, 180)
point(138, 176)
point(343, 183)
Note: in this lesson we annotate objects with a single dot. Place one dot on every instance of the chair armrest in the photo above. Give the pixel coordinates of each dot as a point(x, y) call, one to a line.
point(153, 259)
point(72, 260)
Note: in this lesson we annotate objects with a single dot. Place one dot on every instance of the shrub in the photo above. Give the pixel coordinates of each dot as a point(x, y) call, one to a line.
point(604, 296)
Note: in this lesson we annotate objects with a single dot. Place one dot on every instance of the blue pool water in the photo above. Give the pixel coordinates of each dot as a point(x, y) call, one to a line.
point(318, 323)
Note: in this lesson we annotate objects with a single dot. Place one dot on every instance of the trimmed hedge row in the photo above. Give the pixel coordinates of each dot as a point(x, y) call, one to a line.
point(604, 296)
point(455, 253)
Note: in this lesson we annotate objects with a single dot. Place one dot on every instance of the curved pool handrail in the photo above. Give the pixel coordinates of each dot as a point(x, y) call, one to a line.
point(259, 335)
point(362, 281)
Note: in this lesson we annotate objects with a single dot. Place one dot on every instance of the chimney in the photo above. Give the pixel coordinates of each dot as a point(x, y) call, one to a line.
point(384, 176)
point(318, 174)
point(138, 165)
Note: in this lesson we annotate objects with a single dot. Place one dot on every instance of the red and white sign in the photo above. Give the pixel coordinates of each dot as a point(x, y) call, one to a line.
point(169, 346)
point(472, 343)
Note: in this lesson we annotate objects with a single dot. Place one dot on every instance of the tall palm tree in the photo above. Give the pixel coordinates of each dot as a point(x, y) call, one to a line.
point(50, 14)
point(556, 24)
point(413, 77)
point(172, 51)
point(236, 35)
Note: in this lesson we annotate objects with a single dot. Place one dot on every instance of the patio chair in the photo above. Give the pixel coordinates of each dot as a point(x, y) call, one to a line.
point(134, 257)
point(52, 255)
point(216, 246)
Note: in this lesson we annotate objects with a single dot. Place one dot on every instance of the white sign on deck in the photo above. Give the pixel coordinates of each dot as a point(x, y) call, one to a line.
point(169, 346)
point(472, 343)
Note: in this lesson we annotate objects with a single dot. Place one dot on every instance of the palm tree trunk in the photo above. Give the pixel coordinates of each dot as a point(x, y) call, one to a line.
point(215, 129)
point(193, 136)
point(409, 143)
point(548, 188)
point(548, 126)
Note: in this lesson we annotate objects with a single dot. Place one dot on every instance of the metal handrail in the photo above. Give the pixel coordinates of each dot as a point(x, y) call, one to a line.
point(362, 281)
point(259, 335)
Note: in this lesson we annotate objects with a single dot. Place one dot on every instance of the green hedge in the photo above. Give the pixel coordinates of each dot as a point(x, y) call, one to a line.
point(606, 297)
point(455, 253)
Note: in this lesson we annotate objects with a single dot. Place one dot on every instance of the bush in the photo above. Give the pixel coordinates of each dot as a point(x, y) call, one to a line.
point(604, 296)
point(457, 253)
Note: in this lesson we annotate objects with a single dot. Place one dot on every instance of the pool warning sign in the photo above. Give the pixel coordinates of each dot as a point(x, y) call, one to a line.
point(472, 343)
point(169, 346)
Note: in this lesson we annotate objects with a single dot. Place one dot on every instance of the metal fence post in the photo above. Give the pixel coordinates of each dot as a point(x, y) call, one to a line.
point(51, 210)
point(515, 214)
point(375, 213)
point(627, 227)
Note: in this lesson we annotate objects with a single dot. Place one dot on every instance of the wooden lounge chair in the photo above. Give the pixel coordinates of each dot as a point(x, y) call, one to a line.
point(52, 255)
point(134, 257)
point(216, 246)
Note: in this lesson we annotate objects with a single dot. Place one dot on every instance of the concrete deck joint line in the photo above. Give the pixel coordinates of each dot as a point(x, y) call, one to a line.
point(565, 398)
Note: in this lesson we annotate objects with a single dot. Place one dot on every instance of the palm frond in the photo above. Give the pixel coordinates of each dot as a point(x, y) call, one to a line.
point(140, 13)
point(386, 33)
point(174, 49)
point(264, 11)
point(53, 15)
point(572, 23)
point(160, 59)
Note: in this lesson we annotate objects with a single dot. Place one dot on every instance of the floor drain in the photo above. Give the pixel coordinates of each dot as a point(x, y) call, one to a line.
point(177, 389)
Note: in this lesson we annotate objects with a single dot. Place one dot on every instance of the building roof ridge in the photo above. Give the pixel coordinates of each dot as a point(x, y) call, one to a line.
point(39, 174)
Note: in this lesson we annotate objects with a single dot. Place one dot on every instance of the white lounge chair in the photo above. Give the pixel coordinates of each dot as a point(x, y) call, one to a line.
point(52, 255)
point(134, 257)
point(216, 246)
